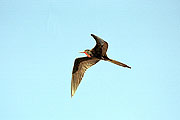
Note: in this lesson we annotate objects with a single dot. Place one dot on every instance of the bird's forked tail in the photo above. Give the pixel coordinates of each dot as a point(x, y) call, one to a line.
point(118, 63)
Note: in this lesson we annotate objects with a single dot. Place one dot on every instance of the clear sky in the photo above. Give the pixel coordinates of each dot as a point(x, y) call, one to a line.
point(39, 40)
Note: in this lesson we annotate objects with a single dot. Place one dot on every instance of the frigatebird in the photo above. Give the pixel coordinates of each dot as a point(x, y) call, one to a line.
point(93, 56)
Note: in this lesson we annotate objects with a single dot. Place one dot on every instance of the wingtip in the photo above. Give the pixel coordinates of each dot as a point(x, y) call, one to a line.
point(92, 35)
point(95, 36)
point(72, 93)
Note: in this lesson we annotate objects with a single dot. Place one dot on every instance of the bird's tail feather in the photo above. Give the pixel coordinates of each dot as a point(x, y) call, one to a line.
point(118, 63)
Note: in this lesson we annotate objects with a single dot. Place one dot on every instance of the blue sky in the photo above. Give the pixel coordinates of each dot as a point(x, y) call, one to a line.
point(39, 40)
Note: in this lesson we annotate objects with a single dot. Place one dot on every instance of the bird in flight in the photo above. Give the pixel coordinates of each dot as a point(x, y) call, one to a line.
point(93, 56)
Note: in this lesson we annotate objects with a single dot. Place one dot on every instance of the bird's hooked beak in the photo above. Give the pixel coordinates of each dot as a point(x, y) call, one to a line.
point(82, 52)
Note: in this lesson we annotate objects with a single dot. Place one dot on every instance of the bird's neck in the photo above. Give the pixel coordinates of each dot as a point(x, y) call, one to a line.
point(89, 53)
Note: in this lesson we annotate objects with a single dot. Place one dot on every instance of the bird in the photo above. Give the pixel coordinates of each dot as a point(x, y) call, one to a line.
point(93, 56)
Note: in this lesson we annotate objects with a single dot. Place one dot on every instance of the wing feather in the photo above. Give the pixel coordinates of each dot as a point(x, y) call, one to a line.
point(80, 66)
point(99, 40)
point(101, 45)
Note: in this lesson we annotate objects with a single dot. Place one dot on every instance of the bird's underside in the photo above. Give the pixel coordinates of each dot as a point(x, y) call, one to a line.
point(94, 55)
point(80, 66)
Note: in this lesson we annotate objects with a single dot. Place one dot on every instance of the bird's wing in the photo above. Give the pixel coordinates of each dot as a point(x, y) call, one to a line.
point(100, 44)
point(80, 66)
point(99, 40)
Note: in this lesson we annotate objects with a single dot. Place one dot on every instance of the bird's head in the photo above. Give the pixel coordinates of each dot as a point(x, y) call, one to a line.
point(87, 52)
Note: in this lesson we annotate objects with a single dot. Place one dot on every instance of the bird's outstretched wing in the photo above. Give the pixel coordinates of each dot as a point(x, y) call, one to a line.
point(80, 66)
point(99, 40)
point(101, 45)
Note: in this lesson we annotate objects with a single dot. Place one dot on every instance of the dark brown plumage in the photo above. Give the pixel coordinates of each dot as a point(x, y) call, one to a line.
point(93, 56)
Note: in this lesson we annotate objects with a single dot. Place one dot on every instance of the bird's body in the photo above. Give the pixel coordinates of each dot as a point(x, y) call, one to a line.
point(93, 56)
